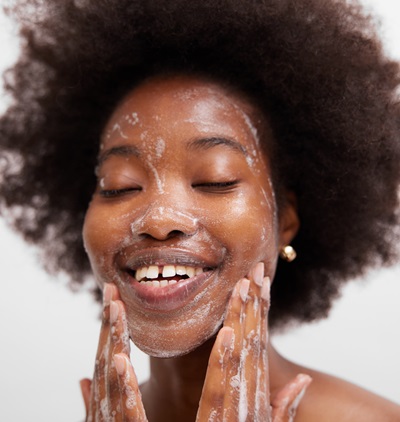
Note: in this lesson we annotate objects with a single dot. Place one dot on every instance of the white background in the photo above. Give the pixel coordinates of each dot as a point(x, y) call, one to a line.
point(49, 334)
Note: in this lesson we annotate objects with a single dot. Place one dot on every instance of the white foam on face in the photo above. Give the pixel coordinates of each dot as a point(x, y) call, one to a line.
point(159, 213)
point(132, 119)
point(263, 233)
point(143, 135)
point(160, 147)
point(272, 207)
point(117, 128)
point(203, 125)
point(251, 127)
point(160, 185)
point(249, 124)
point(136, 227)
point(203, 323)
point(250, 161)
point(193, 220)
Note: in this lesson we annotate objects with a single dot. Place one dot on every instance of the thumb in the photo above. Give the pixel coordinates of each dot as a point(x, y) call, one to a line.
point(285, 403)
point(85, 385)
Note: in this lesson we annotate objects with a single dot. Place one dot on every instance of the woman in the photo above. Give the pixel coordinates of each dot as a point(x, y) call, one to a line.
point(228, 131)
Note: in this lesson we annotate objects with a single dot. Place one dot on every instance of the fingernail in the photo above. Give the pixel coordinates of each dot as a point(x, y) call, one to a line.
point(120, 364)
point(236, 289)
point(304, 379)
point(107, 294)
point(244, 289)
point(265, 289)
point(227, 337)
point(258, 274)
point(114, 310)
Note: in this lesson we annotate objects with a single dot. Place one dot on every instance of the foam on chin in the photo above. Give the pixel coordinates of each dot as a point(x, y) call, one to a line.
point(162, 345)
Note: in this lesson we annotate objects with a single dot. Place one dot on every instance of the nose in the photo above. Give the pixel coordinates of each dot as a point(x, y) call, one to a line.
point(162, 223)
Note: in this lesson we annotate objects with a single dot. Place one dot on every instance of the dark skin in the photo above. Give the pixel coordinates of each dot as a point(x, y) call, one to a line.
point(183, 181)
point(191, 397)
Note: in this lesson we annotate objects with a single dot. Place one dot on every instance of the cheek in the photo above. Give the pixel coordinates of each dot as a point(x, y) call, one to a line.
point(103, 236)
point(247, 230)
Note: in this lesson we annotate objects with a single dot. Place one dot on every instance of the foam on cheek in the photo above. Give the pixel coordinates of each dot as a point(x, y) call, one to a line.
point(263, 233)
point(267, 200)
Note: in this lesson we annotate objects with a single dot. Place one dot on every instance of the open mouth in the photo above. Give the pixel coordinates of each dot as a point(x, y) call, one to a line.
point(165, 275)
point(167, 279)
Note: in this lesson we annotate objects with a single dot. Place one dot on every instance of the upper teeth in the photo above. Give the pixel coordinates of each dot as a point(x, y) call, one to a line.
point(153, 271)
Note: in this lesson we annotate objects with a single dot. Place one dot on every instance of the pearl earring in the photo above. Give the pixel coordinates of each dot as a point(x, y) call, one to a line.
point(287, 253)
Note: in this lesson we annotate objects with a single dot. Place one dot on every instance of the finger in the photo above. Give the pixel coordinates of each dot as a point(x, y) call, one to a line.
point(131, 399)
point(285, 403)
point(85, 390)
point(214, 389)
point(98, 401)
point(234, 311)
point(263, 391)
point(119, 328)
point(235, 401)
point(119, 343)
point(255, 343)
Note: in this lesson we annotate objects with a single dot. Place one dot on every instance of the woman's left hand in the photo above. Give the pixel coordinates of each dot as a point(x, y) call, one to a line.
point(236, 387)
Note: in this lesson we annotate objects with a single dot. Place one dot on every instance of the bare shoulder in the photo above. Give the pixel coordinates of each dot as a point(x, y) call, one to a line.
point(330, 399)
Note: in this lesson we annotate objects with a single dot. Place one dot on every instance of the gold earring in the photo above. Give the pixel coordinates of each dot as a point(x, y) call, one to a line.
point(287, 253)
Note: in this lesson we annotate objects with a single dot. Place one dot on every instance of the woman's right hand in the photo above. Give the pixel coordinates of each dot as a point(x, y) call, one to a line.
point(114, 394)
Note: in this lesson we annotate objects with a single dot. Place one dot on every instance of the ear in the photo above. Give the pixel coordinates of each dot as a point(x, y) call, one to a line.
point(289, 222)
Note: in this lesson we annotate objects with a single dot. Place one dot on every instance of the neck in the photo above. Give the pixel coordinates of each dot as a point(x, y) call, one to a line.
point(175, 385)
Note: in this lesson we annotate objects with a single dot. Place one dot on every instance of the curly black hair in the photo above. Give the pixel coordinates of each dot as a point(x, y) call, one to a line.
point(316, 68)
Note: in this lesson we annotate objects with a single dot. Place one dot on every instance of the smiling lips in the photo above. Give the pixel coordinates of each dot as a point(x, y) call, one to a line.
point(165, 275)
point(165, 288)
point(167, 279)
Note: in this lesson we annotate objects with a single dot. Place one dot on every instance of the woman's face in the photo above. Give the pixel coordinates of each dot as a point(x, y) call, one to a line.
point(183, 209)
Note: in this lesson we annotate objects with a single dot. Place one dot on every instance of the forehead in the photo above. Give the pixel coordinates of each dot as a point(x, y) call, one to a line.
point(185, 106)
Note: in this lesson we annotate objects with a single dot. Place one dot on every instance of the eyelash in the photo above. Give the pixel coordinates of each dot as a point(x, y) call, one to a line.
point(110, 193)
point(217, 185)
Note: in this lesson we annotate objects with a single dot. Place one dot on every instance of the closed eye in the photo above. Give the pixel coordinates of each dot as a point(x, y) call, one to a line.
point(111, 193)
point(216, 187)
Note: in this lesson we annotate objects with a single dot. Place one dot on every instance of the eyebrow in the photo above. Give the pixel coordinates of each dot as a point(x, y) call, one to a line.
point(207, 143)
point(196, 144)
point(122, 150)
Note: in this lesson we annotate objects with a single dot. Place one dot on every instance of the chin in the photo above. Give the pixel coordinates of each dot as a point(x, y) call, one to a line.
point(174, 342)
